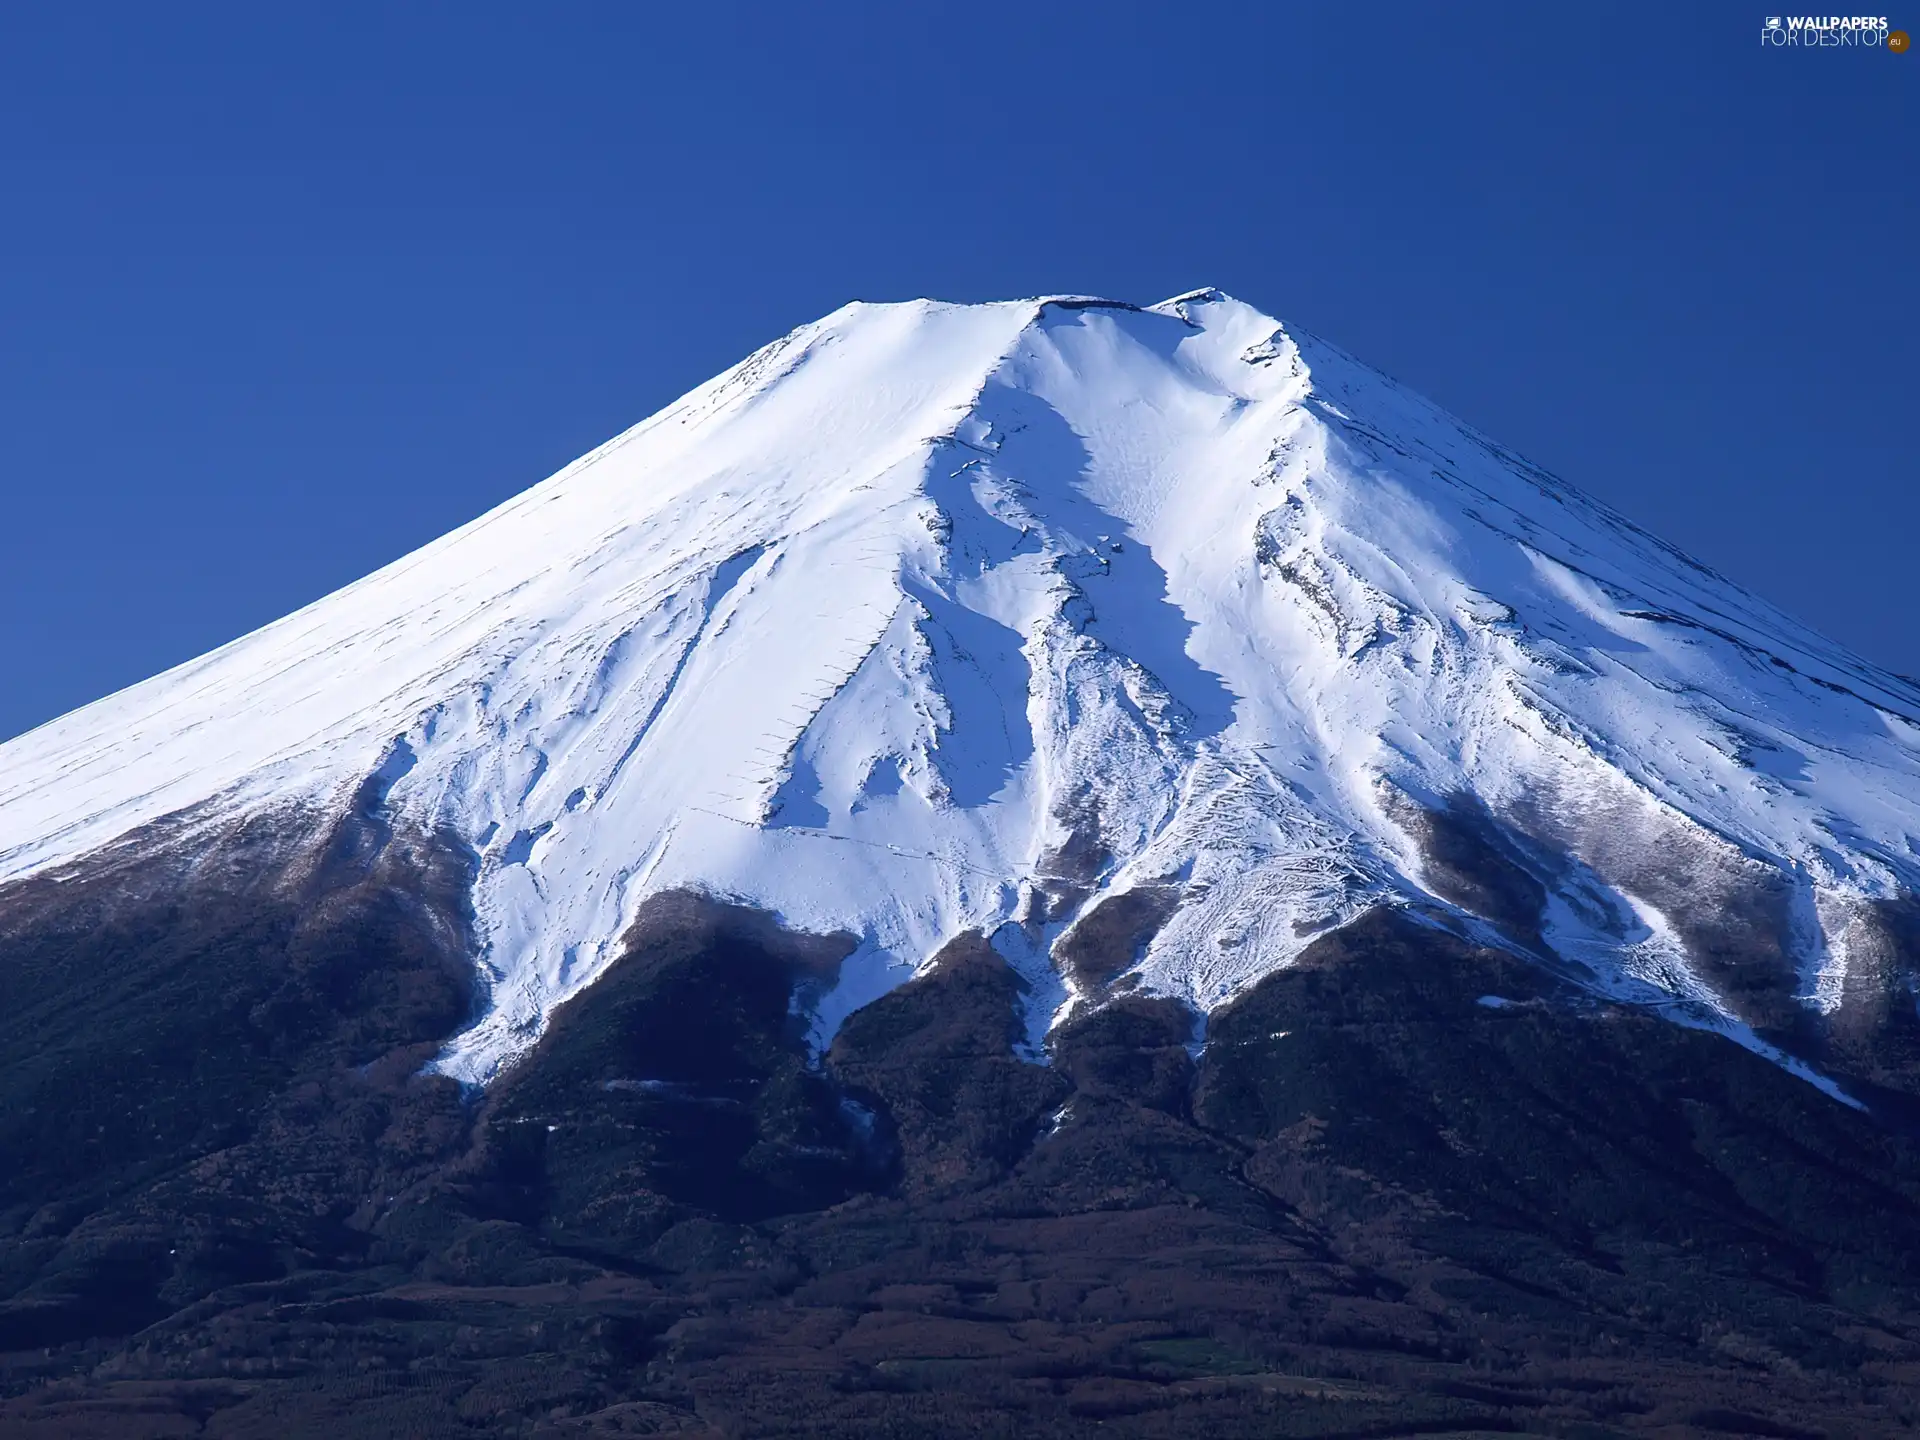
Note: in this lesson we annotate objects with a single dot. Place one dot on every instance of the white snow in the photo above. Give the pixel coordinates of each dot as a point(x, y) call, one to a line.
point(874, 628)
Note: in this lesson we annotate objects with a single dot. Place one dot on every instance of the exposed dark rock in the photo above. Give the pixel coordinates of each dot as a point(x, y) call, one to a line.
point(204, 1086)
point(1372, 1058)
point(1409, 1186)
point(1135, 1048)
point(682, 1074)
point(1874, 1035)
point(1082, 856)
point(1732, 912)
point(1473, 860)
point(1113, 935)
point(937, 1057)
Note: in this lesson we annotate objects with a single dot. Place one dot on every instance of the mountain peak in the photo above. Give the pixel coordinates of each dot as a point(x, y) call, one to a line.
point(1147, 642)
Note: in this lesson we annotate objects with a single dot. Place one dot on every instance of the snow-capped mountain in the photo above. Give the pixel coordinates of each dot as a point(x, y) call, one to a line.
point(1150, 643)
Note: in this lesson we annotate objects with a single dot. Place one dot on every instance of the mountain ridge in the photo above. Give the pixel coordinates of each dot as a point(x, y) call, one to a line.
point(1050, 619)
point(994, 870)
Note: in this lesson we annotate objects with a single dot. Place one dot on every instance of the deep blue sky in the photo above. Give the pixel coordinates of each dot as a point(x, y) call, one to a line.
point(288, 290)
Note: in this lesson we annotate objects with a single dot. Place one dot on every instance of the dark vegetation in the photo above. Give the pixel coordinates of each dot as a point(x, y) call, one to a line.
point(231, 1205)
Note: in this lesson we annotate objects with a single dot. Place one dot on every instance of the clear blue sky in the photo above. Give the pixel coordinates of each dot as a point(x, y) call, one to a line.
point(288, 290)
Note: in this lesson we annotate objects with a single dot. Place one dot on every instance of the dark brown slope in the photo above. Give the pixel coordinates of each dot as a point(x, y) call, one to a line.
point(1374, 1206)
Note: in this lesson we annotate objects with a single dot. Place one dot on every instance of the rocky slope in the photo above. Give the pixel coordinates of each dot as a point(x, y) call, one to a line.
point(996, 870)
point(1372, 1206)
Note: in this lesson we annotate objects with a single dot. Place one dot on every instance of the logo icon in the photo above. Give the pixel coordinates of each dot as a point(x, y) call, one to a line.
point(1898, 42)
point(1773, 22)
